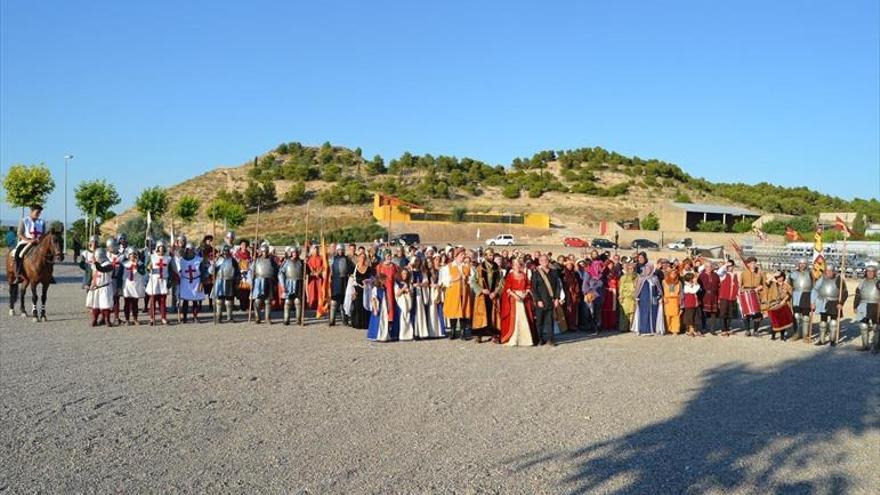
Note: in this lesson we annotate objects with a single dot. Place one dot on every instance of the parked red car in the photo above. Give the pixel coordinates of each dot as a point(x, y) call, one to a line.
point(575, 242)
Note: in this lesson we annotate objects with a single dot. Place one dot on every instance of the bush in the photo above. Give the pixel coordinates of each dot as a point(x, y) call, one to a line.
point(511, 191)
point(650, 222)
point(354, 233)
point(331, 172)
point(458, 214)
point(742, 226)
point(684, 198)
point(347, 191)
point(296, 194)
point(136, 228)
point(187, 208)
point(536, 190)
point(711, 226)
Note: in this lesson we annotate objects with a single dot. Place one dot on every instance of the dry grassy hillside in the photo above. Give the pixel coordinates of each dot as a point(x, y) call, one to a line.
point(569, 212)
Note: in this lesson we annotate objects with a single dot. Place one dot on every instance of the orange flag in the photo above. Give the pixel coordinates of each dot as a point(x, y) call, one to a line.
point(792, 235)
point(324, 291)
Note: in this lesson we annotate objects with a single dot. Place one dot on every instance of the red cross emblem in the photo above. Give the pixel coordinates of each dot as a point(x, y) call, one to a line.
point(161, 266)
point(190, 271)
point(131, 270)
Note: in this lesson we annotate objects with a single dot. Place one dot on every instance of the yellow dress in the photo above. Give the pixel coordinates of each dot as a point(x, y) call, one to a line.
point(458, 301)
point(672, 307)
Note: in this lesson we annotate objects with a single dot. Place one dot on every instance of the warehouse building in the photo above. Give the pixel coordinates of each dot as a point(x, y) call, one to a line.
point(680, 217)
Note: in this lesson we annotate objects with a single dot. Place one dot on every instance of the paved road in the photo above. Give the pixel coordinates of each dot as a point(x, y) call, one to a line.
point(247, 409)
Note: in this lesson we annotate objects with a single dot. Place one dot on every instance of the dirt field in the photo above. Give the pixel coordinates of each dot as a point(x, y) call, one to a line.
point(275, 409)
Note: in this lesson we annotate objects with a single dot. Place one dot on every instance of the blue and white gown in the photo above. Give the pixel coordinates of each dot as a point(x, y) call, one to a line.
point(403, 311)
point(648, 318)
point(382, 328)
point(436, 320)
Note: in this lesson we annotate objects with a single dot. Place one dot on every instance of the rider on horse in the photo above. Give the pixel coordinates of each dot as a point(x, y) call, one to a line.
point(30, 230)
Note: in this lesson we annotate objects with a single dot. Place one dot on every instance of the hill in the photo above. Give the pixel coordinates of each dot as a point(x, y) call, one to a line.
point(575, 187)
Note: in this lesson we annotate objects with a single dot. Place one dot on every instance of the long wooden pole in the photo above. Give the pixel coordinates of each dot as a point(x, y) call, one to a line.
point(840, 289)
point(305, 256)
point(253, 262)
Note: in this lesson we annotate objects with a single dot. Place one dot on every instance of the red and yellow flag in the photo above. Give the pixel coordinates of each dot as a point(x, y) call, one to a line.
point(324, 290)
point(818, 258)
point(840, 225)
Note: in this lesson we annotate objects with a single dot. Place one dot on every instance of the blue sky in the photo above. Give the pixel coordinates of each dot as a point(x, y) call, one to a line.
point(151, 93)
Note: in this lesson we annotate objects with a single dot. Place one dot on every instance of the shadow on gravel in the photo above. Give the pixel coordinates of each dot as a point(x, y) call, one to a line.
point(745, 430)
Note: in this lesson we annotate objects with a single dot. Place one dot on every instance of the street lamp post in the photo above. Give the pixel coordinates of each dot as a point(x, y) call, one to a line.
point(67, 158)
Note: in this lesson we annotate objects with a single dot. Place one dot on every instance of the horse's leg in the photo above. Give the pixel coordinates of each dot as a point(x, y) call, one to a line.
point(34, 299)
point(43, 302)
point(22, 292)
point(13, 295)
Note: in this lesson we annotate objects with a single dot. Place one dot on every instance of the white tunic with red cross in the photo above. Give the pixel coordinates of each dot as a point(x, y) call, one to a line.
point(160, 270)
point(190, 275)
point(132, 281)
point(100, 293)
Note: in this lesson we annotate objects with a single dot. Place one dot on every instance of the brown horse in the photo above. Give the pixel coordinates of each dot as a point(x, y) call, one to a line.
point(39, 262)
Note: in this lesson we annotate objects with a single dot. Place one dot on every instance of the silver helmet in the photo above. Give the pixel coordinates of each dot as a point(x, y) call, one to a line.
point(100, 255)
point(111, 244)
point(188, 246)
point(95, 239)
point(264, 247)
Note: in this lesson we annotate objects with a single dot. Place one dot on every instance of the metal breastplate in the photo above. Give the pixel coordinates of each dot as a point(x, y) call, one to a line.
point(293, 270)
point(263, 268)
point(829, 289)
point(802, 281)
point(226, 269)
point(340, 267)
point(868, 291)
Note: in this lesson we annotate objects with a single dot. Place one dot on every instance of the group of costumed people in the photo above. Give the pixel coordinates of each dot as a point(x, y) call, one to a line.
point(509, 297)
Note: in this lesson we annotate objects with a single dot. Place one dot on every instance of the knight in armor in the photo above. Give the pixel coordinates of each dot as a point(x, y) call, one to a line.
point(121, 243)
point(226, 274)
point(99, 298)
point(229, 240)
point(30, 230)
point(86, 260)
point(160, 269)
point(801, 281)
point(264, 270)
point(290, 278)
point(829, 295)
point(116, 260)
point(341, 269)
point(867, 308)
point(191, 272)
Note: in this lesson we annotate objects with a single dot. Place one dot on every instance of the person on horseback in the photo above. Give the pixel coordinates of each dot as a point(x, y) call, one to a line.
point(30, 230)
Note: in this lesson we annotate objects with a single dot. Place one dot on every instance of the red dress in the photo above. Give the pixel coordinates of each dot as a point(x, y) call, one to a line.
point(609, 304)
point(508, 306)
point(390, 272)
point(316, 275)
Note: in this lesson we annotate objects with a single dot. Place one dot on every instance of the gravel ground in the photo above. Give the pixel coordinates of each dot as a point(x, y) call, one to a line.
point(256, 409)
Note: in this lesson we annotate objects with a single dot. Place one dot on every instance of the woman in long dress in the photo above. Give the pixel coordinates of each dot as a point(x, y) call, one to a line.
point(360, 313)
point(421, 294)
point(403, 292)
point(517, 321)
point(382, 328)
point(436, 320)
point(648, 318)
point(571, 284)
point(610, 319)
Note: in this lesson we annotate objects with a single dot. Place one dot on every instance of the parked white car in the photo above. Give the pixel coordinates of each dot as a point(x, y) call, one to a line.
point(680, 245)
point(500, 240)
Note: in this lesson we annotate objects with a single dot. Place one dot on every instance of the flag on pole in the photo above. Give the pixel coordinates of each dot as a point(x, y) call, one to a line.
point(792, 235)
point(818, 257)
point(149, 220)
point(840, 225)
point(324, 290)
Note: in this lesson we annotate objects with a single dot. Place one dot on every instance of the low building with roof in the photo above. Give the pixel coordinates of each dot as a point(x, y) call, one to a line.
point(681, 217)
